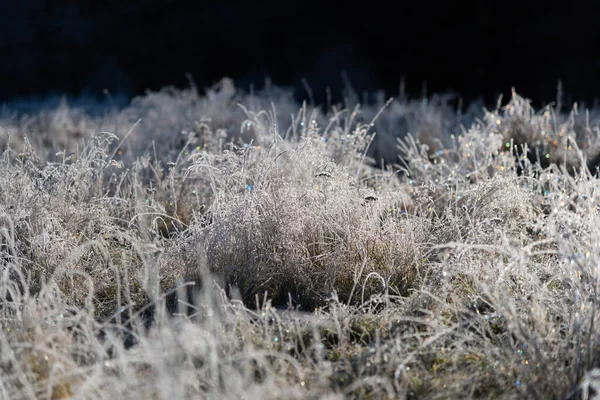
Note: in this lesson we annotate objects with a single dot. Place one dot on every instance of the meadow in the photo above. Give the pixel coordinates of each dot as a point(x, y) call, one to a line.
point(226, 244)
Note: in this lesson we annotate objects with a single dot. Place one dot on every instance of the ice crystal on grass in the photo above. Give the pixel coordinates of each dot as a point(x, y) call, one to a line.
point(229, 245)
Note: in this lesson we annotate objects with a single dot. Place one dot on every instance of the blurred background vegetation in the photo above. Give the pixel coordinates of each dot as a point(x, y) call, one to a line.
point(478, 49)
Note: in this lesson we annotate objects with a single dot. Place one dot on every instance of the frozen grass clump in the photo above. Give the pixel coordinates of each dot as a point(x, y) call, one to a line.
point(228, 245)
point(289, 221)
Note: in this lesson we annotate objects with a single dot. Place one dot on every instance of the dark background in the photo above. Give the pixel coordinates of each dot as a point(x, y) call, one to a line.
point(479, 48)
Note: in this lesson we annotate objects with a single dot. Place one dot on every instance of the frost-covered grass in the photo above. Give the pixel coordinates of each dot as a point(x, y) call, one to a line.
point(232, 245)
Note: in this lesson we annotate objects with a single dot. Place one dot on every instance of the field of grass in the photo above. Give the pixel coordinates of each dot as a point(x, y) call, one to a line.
point(233, 245)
